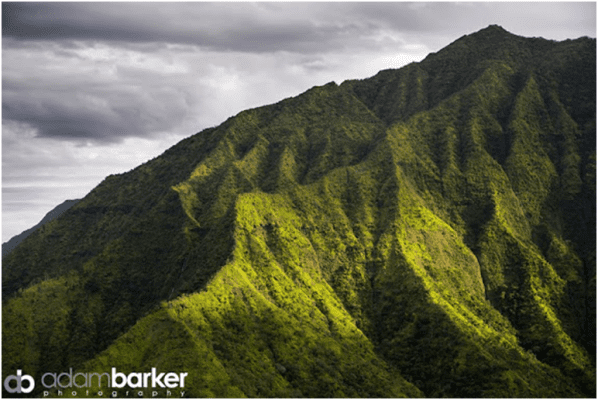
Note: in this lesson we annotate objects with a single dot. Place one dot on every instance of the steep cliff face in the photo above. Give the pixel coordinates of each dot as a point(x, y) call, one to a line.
point(429, 231)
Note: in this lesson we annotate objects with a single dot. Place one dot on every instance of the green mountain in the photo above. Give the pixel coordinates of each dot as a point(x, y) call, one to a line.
point(429, 231)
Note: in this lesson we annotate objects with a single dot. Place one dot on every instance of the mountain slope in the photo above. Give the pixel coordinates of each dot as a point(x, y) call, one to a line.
point(427, 231)
point(52, 214)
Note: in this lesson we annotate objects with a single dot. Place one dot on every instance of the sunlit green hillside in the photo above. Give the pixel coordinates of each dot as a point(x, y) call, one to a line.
point(427, 232)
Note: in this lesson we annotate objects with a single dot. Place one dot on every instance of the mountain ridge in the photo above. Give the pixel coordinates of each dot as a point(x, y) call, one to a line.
point(13, 242)
point(422, 224)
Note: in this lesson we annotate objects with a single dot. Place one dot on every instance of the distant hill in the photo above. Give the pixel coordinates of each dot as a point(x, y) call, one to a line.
point(9, 246)
point(428, 231)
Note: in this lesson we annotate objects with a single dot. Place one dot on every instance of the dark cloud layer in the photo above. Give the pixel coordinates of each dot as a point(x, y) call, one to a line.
point(267, 27)
point(106, 114)
point(235, 27)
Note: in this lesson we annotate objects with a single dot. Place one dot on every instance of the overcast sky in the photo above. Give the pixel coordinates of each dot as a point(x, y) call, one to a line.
point(92, 89)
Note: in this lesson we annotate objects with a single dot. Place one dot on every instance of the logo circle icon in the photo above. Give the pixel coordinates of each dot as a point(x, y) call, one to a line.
point(20, 379)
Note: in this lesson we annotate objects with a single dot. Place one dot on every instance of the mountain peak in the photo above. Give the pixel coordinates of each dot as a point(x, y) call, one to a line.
point(494, 28)
point(492, 43)
point(491, 34)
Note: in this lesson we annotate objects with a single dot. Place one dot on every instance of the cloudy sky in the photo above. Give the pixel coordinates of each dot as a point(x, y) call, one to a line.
point(92, 89)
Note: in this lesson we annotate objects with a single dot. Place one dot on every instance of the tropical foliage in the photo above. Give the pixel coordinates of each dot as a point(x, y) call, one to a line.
point(429, 231)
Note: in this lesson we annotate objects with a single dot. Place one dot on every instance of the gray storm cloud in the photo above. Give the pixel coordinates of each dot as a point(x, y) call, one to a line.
point(269, 27)
point(226, 27)
point(90, 113)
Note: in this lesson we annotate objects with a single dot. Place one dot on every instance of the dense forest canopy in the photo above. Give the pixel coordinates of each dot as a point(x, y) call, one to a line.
point(429, 231)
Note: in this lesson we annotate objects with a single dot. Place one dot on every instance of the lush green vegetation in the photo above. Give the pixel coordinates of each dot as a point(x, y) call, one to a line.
point(429, 231)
